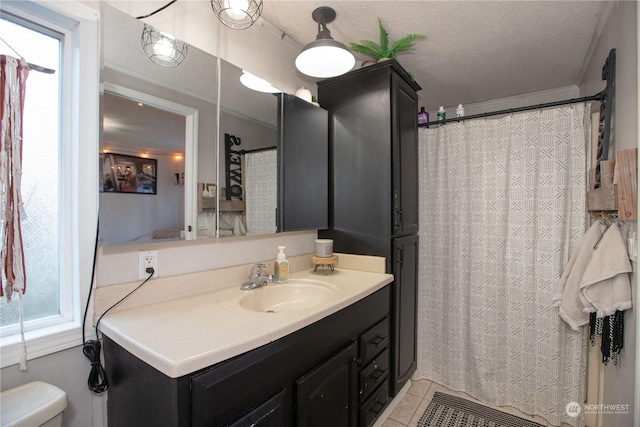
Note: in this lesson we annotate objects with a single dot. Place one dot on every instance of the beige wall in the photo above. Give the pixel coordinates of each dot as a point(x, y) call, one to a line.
point(620, 32)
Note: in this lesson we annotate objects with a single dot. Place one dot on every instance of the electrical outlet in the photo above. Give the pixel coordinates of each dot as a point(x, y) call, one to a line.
point(147, 259)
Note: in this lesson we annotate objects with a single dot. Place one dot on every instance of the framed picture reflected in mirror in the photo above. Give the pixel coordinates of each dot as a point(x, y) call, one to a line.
point(120, 173)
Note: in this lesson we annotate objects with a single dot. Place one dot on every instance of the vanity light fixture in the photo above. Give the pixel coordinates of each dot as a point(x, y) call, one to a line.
point(324, 57)
point(162, 48)
point(256, 83)
point(237, 14)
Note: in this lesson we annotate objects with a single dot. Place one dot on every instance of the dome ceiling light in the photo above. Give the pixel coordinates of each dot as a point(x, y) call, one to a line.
point(256, 83)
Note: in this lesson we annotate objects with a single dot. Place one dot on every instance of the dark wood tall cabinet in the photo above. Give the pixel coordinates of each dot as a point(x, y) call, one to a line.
point(373, 175)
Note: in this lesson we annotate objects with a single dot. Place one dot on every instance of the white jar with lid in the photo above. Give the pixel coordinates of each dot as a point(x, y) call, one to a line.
point(324, 248)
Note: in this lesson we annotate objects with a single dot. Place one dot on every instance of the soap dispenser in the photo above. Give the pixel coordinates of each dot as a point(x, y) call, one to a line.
point(281, 267)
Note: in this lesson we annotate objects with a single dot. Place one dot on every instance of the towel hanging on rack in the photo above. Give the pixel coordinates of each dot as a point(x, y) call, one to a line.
point(595, 288)
point(596, 278)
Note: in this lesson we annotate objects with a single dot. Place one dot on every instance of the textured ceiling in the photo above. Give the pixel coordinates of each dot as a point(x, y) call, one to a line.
point(474, 50)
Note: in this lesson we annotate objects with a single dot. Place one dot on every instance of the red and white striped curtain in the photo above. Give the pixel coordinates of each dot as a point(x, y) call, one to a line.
point(13, 76)
point(13, 279)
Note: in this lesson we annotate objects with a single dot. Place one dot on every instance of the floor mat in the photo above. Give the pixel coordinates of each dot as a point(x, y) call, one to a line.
point(450, 411)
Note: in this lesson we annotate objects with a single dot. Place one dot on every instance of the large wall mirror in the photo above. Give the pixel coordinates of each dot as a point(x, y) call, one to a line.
point(172, 164)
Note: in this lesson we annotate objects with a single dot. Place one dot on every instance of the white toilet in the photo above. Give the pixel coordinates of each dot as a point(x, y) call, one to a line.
point(31, 405)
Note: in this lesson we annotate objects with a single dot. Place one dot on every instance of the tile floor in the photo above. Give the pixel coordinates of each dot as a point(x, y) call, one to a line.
point(412, 405)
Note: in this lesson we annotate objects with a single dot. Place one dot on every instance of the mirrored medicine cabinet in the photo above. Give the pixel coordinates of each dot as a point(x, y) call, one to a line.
point(190, 153)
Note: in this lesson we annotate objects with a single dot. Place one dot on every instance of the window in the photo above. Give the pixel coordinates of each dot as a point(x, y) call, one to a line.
point(59, 181)
point(40, 172)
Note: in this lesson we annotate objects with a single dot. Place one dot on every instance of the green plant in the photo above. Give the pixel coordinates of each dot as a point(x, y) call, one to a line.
point(385, 49)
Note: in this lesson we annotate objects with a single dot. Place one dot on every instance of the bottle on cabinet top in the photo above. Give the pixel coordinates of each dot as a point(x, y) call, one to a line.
point(281, 267)
point(442, 115)
point(423, 117)
point(460, 111)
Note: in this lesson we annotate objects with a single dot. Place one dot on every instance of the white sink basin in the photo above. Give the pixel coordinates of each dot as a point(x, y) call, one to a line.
point(286, 297)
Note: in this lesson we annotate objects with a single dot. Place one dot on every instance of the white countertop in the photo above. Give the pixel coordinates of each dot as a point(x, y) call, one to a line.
point(186, 334)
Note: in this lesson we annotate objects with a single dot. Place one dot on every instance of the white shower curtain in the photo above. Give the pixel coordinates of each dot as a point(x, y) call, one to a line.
point(502, 209)
point(261, 191)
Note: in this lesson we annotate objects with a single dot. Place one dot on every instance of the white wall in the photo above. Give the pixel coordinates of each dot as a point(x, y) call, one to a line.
point(620, 32)
point(525, 99)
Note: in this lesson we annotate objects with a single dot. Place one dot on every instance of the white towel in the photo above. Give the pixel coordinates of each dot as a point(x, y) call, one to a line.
point(595, 280)
point(238, 226)
point(567, 297)
point(605, 287)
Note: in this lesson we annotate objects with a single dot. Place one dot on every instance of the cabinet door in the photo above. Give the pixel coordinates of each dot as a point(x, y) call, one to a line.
point(404, 316)
point(405, 158)
point(303, 165)
point(268, 414)
point(325, 396)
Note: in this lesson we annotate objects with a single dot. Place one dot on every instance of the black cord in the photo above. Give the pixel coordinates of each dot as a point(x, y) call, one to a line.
point(149, 270)
point(158, 10)
point(97, 381)
point(93, 273)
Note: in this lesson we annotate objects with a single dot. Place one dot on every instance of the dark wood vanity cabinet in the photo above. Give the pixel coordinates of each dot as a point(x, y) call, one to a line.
point(373, 203)
point(331, 373)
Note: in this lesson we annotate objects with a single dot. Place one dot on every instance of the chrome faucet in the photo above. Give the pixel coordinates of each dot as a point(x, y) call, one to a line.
point(256, 278)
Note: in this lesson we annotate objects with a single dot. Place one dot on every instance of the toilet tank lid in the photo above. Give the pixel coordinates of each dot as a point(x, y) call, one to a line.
point(31, 404)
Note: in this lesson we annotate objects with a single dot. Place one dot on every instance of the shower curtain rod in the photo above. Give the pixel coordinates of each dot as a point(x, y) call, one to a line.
point(257, 150)
point(597, 97)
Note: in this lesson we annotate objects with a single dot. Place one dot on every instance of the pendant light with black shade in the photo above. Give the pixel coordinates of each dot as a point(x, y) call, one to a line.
point(324, 57)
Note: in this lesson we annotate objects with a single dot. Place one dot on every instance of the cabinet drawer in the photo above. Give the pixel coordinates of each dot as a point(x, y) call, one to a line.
point(374, 341)
point(371, 410)
point(374, 374)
